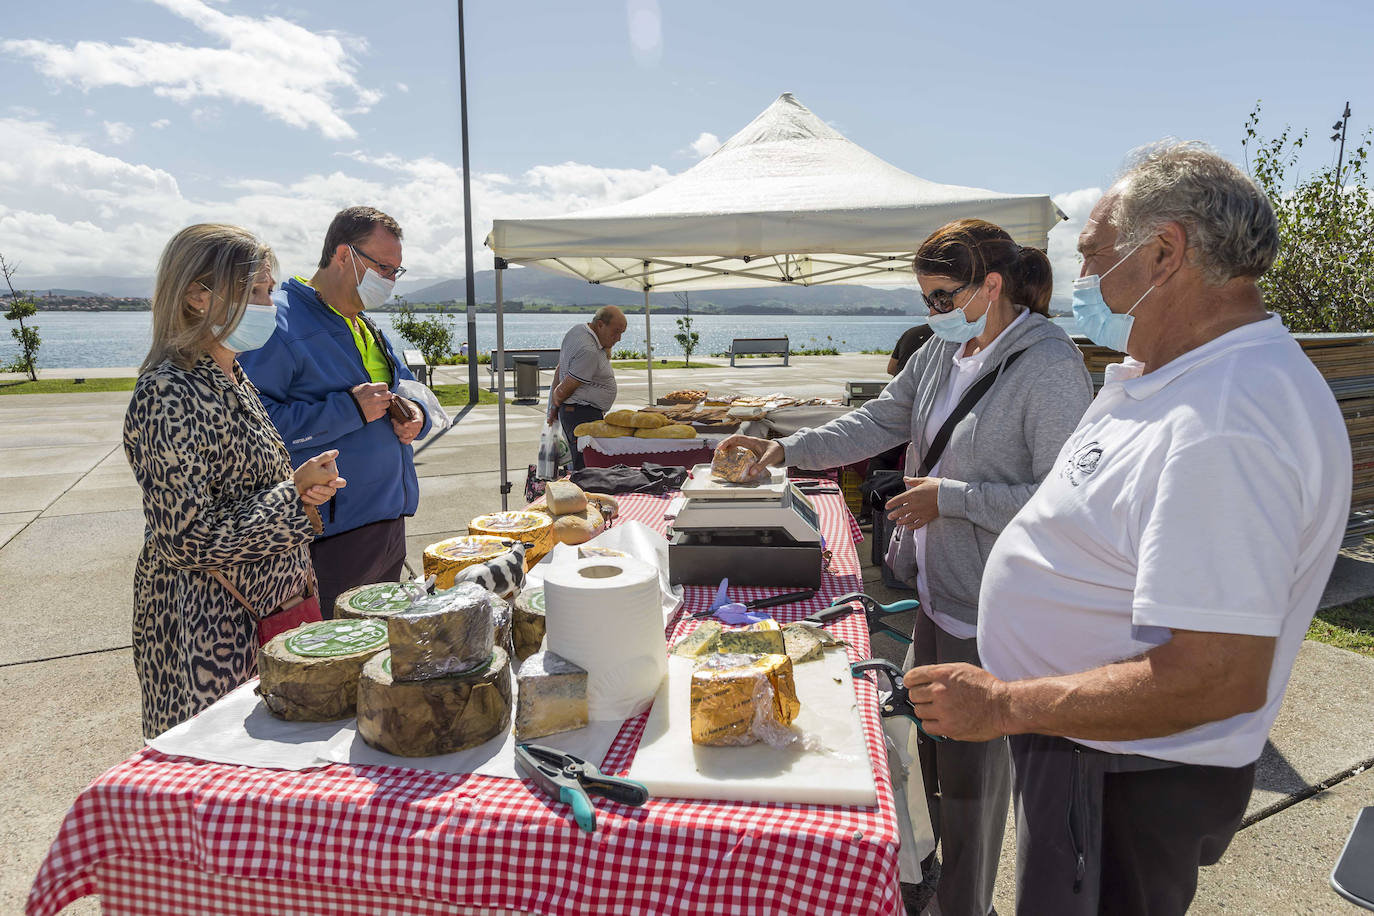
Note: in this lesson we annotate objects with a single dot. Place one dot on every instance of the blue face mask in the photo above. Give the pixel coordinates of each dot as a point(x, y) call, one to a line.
point(954, 327)
point(254, 328)
point(1098, 322)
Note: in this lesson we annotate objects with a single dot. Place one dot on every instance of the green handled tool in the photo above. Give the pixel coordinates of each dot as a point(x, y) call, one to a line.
point(894, 701)
point(571, 780)
point(873, 613)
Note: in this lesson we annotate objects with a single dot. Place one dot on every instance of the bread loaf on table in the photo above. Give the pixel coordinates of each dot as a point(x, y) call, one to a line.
point(637, 419)
point(671, 431)
point(600, 429)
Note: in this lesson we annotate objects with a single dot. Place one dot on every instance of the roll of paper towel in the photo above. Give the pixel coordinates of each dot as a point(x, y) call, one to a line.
point(605, 614)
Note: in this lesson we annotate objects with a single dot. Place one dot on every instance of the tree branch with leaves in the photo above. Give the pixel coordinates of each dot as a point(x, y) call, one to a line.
point(21, 307)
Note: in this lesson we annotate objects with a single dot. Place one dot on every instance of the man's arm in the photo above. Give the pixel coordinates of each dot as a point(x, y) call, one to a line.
point(561, 392)
point(1193, 679)
point(271, 369)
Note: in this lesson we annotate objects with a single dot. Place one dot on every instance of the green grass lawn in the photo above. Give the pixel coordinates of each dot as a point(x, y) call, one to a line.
point(1349, 626)
point(67, 386)
point(457, 395)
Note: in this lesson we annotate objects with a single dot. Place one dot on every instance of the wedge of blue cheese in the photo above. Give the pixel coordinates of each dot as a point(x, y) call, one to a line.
point(705, 638)
point(762, 638)
point(552, 696)
point(804, 644)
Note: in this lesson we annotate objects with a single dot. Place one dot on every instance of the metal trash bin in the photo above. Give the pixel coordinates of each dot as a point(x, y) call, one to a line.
point(526, 377)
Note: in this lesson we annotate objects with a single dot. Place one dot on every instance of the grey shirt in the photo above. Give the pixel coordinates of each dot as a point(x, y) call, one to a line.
point(581, 357)
point(995, 458)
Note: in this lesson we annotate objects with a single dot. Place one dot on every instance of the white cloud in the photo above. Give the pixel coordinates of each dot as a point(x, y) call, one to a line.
point(118, 132)
point(705, 144)
point(70, 211)
point(292, 74)
point(402, 87)
point(1063, 251)
point(645, 24)
point(160, 123)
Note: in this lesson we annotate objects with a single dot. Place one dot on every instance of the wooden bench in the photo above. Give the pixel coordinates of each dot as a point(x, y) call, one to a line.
point(548, 359)
point(767, 346)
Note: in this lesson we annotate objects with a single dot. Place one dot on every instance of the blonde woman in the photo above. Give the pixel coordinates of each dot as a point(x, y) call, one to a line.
point(218, 490)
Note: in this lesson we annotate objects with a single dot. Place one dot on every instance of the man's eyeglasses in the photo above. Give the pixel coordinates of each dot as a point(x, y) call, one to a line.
point(386, 270)
point(942, 300)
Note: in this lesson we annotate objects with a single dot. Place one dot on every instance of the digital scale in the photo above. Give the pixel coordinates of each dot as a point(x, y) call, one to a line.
point(752, 534)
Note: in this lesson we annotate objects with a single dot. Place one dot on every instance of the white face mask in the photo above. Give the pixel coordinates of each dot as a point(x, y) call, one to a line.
point(373, 288)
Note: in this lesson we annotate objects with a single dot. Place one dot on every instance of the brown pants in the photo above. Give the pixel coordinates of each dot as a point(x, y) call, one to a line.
point(372, 553)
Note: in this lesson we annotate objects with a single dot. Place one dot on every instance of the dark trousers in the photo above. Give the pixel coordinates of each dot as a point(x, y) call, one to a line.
point(372, 553)
point(968, 788)
point(570, 415)
point(1100, 833)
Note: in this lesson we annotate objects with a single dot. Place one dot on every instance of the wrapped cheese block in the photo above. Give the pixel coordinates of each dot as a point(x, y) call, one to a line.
point(500, 609)
point(732, 464)
point(527, 624)
point(563, 496)
point(701, 641)
point(438, 715)
point(671, 431)
point(552, 696)
point(762, 638)
point(743, 699)
point(379, 600)
point(448, 633)
point(445, 559)
point(530, 527)
point(804, 644)
point(310, 674)
point(637, 419)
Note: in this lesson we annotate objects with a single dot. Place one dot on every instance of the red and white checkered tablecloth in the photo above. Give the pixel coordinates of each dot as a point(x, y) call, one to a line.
point(160, 834)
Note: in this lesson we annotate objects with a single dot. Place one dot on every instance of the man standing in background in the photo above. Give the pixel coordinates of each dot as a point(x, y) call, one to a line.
point(326, 378)
point(584, 386)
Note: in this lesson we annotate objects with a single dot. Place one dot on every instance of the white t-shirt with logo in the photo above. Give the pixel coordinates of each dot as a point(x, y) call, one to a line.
point(1210, 494)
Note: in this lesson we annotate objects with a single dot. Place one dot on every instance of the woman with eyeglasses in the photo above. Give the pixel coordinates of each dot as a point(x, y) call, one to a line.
point(995, 346)
point(219, 494)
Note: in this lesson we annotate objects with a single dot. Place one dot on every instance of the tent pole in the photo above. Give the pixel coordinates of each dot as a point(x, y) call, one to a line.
point(501, 378)
point(648, 335)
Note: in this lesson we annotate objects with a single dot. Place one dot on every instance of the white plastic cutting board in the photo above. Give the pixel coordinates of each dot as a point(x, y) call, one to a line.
point(838, 772)
point(701, 483)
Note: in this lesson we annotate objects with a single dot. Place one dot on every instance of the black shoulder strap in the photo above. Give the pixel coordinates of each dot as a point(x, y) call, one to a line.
point(972, 396)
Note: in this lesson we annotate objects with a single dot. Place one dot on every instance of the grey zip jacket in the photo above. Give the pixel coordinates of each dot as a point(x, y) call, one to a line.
point(996, 456)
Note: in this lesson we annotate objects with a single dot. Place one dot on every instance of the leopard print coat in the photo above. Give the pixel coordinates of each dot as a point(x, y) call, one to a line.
point(217, 494)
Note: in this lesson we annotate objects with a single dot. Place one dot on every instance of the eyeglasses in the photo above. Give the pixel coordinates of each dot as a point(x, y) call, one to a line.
point(386, 270)
point(942, 300)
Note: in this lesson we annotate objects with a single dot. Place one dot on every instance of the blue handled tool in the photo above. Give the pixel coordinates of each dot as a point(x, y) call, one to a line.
point(873, 612)
point(572, 780)
point(895, 702)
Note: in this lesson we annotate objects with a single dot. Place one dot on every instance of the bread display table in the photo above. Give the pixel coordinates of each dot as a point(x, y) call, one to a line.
point(164, 834)
point(685, 453)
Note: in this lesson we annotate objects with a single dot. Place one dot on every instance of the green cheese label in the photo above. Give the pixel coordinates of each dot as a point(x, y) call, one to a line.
point(330, 638)
point(387, 597)
point(536, 601)
point(386, 665)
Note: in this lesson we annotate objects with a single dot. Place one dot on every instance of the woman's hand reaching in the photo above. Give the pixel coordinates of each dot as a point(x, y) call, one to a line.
point(318, 479)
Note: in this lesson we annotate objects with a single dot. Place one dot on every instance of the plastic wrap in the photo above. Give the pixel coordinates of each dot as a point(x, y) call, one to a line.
point(449, 633)
point(743, 699)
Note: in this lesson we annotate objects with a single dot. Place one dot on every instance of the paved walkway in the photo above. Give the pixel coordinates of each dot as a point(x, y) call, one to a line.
point(71, 525)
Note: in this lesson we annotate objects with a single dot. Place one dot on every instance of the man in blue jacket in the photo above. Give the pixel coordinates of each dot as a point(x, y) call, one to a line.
point(328, 378)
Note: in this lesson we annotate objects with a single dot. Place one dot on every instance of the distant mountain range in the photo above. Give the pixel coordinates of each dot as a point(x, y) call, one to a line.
point(529, 285)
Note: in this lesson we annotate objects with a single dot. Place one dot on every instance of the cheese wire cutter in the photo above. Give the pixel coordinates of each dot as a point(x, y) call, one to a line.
point(873, 612)
point(895, 701)
point(572, 780)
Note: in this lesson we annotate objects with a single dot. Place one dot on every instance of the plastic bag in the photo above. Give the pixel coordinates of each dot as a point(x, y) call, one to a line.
point(553, 452)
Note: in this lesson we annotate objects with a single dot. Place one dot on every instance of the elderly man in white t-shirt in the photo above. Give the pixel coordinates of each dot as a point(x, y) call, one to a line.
point(1140, 616)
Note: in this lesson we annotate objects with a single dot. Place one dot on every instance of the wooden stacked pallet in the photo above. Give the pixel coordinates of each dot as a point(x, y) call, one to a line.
point(1346, 361)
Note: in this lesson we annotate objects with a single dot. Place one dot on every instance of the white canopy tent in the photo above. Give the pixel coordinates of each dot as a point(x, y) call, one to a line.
point(786, 200)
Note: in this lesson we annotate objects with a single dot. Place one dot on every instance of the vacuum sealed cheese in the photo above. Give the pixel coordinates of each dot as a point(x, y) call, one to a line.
point(732, 464)
point(743, 699)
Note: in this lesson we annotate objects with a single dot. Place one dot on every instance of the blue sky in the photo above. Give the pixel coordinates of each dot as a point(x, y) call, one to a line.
point(136, 117)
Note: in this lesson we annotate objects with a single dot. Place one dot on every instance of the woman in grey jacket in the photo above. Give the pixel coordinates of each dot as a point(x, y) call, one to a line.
point(989, 308)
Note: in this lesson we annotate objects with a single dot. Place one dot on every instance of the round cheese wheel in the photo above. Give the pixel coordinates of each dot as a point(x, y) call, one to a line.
point(378, 600)
point(527, 625)
point(531, 527)
point(310, 674)
point(445, 559)
point(436, 716)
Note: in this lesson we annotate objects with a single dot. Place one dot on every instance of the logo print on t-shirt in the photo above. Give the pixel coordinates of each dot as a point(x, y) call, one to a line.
point(1082, 463)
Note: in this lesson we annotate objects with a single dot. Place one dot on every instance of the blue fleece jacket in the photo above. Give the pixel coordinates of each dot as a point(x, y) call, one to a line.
point(304, 373)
